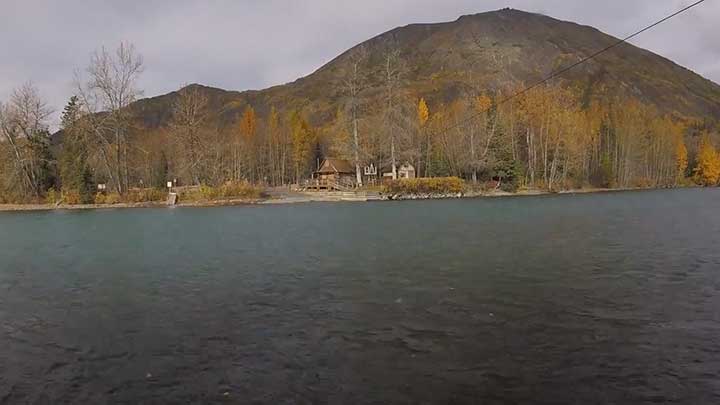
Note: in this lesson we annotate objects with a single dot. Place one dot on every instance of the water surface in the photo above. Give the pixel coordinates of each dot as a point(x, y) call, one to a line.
point(604, 298)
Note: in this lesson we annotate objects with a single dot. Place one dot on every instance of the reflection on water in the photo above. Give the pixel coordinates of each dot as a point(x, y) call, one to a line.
point(608, 298)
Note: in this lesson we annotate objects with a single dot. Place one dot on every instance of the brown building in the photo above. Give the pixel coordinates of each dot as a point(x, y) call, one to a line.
point(334, 174)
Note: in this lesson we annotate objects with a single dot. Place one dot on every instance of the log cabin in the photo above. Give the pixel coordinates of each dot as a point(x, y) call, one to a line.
point(334, 174)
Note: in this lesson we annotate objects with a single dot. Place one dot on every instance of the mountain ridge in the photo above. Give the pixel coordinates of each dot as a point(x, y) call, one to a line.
point(484, 51)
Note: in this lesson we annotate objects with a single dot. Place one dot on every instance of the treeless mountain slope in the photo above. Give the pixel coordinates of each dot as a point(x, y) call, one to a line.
point(482, 52)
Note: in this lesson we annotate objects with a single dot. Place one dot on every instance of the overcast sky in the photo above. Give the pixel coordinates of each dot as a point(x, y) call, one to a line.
point(253, 44)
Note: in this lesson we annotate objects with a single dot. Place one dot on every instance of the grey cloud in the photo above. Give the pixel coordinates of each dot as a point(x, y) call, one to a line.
point(255, 44)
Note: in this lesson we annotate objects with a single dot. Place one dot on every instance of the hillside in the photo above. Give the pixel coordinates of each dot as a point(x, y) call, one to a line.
point(484, 52)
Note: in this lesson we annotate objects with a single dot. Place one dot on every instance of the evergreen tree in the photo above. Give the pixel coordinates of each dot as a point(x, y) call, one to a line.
point(46, 168)
point(505, 168)
point(75, 175)
point(161, 172)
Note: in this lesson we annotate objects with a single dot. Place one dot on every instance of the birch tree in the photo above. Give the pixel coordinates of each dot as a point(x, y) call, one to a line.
point(393, 69)
point(423, 115)
point(111, 86)
point(23, 126)
point(190, 111)
point(354, 84)
point(248, 136)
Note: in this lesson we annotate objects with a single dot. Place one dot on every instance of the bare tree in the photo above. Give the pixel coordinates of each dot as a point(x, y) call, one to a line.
point(354, 85)
point(23, 125)
point(278, 147)
point(483, 119)
point(110, 88)
point(190, 112)
point(393, 70)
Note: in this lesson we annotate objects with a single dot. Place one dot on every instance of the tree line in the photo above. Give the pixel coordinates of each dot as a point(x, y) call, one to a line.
point(554, 137)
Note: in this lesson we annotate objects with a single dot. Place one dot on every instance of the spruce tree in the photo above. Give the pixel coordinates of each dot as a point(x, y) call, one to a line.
point(162, 169)
point(75, 174)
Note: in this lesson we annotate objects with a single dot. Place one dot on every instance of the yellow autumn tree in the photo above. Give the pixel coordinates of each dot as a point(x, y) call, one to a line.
point(423, 116)
point(276, 147)
point(681, 158)
point(248, 123)
point(483, 103)
point(248, 128)
point(707, 171)
point(303, 140)
point(423, 112)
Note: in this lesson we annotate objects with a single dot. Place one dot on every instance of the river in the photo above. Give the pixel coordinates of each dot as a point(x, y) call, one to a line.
point(597, 298)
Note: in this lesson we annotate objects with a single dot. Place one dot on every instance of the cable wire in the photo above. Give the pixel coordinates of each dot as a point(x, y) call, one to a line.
point(567, 68)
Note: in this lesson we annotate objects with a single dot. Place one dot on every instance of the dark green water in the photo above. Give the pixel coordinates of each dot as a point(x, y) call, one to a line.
point(607, 298)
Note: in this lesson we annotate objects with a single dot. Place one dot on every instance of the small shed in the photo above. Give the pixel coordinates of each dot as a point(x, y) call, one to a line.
point(334, 172)
point(406, 171)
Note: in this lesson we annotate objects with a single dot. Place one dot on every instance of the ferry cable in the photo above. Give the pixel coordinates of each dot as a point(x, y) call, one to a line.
point(566, 69)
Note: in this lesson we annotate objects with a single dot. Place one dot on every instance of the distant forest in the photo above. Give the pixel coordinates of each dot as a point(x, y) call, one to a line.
point(553, 137)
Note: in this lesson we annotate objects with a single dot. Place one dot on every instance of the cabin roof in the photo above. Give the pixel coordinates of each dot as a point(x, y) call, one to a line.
point(336, 166)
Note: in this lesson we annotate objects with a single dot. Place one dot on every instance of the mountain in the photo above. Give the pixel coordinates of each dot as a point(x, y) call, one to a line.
point(485, 52)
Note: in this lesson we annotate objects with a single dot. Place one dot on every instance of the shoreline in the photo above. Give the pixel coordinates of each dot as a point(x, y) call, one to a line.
point(309, 197)
point(157, 204)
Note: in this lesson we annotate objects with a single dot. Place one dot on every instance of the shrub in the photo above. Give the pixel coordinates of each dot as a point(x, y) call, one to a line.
point(642, 182)
point(431, 185)
point(13, 197)
point(145, 195)
point(76, 197)
point(133, 196)
point(99, 198)
point(72, 197)
point(109, 198)
point(509, 187)
point(112, 198)
point(52, 196)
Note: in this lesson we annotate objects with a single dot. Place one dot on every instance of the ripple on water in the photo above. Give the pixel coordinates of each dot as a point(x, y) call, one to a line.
point(609, 298)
